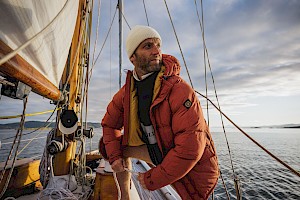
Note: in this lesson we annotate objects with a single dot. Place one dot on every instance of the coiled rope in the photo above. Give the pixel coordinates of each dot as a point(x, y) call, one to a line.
point(54, 193)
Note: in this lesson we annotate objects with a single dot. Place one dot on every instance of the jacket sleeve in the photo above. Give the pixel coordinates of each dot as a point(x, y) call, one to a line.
point(188, 126)
point(112, 125)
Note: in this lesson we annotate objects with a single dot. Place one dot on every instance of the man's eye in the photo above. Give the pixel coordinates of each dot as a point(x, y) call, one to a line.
point(148, 46)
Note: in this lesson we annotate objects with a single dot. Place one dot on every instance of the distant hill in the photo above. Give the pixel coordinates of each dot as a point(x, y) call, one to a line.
point(38, 124)
point(280, 126)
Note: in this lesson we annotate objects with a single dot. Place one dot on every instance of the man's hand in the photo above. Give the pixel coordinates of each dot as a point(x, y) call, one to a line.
point(141, 180)
point(118, 165)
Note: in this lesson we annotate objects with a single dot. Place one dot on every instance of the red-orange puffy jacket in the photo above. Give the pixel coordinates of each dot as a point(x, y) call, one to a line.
point(190, 163)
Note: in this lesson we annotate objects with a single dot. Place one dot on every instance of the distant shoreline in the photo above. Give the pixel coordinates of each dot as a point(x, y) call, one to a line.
point(31, 125)
point(274, 127)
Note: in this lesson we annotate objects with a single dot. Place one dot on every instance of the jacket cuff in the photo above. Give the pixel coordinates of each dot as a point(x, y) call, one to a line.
point(154, 179)
point(111, 160)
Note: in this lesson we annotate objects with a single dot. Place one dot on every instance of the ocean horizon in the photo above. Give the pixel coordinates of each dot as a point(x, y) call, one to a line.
point(260, 176)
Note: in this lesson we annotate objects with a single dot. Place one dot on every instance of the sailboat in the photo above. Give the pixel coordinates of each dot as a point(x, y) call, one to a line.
point(45, 49)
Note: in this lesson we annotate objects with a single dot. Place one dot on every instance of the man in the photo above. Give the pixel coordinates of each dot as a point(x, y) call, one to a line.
point(163, 124)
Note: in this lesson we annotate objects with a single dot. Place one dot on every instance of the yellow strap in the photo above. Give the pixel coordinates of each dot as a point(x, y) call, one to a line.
point(29, 114)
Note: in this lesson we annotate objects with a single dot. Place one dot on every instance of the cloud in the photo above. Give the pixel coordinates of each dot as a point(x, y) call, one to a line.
point(253, 46)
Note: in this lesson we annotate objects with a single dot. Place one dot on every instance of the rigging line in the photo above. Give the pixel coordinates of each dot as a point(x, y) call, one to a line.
point(216, 95)
point(16, 51)
point(90, 71)
point(93, 64)
point(97, 31)
point(43, 126)
point(146, 12)
point(86, 83)
point(123, 16)
point(82, 28)
point(32, 140)
point(205, 55)
point(27, 115)
point(126, 20)
point(19, 133)
point(179, 44)
point(223, 182)
point(23, 140)
point(110, 50)
point(249, 137)
point(93, 58)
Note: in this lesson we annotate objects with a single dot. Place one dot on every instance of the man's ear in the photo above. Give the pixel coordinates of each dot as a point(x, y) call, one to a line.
point(132, 58)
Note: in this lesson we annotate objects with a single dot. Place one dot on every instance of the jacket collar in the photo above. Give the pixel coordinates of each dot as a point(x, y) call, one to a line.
point(172, 65)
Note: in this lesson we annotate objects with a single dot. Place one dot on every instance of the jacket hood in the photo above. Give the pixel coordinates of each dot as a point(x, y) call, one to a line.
point(172, 65)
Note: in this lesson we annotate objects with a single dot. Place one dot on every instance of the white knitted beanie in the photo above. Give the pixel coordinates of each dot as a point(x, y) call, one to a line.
point(137, 35)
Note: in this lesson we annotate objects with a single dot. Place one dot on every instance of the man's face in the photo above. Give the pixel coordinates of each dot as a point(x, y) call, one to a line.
point(147, 57)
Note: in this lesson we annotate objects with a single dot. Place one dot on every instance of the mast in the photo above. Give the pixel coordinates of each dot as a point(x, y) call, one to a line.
point(62, 160)
point(120, 6)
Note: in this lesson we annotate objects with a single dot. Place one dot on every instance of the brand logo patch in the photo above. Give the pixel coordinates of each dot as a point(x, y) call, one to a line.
point(187, 103)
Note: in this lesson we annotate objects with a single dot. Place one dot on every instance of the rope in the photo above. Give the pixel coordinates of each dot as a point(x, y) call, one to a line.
point(150, 194)
point(86, 80)
point(43, 126)
point(93, 64)
point(179, 44)
point(97, 31)
point(146, 12)
point(205, 56)
point(27, 115)
point(94, 61)
point(45, 162)
point(74, 61)
point(125, 20)
point(54, 193)
point(241, 130)
point(24, 140)
point(19, 136)
point(16, 51)
point(117, 185)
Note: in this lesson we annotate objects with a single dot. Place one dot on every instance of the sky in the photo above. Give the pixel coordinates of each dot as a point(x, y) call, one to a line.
point(253, 49)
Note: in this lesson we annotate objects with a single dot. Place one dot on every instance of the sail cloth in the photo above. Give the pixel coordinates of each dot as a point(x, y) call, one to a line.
point(21, 20)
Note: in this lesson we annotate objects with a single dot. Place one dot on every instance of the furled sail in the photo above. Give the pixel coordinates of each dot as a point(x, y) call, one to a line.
point(48, 53)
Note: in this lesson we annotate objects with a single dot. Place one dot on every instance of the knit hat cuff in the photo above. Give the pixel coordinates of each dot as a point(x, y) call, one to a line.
point(137, 35)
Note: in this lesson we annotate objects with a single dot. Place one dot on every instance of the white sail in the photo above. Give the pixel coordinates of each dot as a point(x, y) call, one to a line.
point(21, 20)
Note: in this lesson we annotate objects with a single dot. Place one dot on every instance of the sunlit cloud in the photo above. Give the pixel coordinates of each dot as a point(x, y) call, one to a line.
point(253, 47)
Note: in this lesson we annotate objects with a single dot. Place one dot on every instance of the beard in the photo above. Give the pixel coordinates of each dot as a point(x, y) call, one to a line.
point(149, 64)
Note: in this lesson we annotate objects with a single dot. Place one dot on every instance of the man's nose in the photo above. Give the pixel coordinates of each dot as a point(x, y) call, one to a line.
point(156, 50)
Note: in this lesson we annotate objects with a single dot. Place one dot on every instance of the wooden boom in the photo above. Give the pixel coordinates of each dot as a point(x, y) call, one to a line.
point(19, 68)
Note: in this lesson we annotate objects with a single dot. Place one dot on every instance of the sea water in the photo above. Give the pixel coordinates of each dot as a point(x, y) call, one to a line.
point(260, 175)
